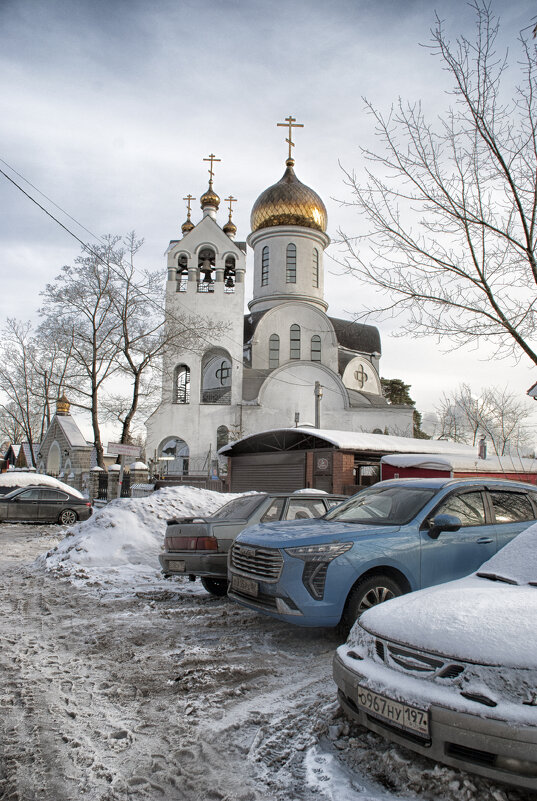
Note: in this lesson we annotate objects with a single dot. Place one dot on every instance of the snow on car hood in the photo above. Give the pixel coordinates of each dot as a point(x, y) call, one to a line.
point(297, 532)
point(473, 619)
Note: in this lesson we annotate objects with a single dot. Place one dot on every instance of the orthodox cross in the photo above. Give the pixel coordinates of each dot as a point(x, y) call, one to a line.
point(361, 376)
point(230, 200)
point(290, 122)
point(189, 199)
point(212, 158)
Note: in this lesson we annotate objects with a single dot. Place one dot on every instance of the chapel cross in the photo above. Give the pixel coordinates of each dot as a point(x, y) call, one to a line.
point(189, 199)
point(361, 376)
point(230, 200)
point(212, 158)
point(290, 122)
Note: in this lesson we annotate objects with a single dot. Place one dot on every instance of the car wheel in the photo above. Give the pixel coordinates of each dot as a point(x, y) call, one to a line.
point(367, 593)
point(215, 586)
point(68, 517)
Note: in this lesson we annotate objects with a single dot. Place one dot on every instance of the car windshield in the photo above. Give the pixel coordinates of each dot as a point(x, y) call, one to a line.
point(389, 506)
point(239, 508)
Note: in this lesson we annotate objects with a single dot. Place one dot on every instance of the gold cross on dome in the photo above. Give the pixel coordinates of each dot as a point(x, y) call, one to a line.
point(189, 199)
point(212, 158)
point(290, 122)
point(230, 200)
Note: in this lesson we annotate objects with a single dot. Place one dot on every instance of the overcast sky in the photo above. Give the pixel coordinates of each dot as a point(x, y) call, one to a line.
point(108, 107)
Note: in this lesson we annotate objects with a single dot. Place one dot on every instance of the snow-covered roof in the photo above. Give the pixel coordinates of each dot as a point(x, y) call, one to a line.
point(71, 430)
point(417, 460)
point(361, 441)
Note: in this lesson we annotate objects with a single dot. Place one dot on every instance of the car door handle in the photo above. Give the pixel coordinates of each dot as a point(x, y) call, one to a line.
point(484, 540)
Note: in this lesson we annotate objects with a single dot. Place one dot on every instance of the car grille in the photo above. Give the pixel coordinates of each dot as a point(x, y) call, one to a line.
point(262, 563)
point(408, 659)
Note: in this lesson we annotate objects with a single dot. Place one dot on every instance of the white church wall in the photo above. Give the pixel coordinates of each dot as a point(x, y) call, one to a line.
point(278, 289)
point(278, 320)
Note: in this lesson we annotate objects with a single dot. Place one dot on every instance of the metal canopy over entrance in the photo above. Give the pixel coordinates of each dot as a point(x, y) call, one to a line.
point(280, 440)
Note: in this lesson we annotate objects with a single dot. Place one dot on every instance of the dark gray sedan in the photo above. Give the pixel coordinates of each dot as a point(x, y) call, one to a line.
point(198, 546)
point(43, 505)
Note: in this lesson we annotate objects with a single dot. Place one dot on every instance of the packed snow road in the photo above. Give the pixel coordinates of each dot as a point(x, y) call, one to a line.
point(160, 691)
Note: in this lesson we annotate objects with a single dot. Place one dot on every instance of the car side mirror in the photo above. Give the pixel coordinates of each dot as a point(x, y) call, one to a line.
point(443, 523)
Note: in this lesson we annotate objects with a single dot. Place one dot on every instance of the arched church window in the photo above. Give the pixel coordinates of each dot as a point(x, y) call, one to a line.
point(290, 264)
point(181, 384)
point(182, 272)
point(316, 348)
point(229, 274)
point(206, 262)
point(274, 351)
point(264, 265)
point(216, 374)
point(222, 437)
point(315, 276)
point(294, 345)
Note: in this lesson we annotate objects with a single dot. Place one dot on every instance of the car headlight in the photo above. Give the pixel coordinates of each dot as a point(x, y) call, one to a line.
point(319, 553)
point(317, 558)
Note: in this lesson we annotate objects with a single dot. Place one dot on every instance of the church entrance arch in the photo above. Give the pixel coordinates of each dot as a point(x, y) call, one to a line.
point(54, 460)
point(174, 454)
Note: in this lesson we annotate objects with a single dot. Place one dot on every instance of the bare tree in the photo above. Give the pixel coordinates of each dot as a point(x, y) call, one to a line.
point(498, 414)
point(78, 312)
point(146, 334)
point(452, 205)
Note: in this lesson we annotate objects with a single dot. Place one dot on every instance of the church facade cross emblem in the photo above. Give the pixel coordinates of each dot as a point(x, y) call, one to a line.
point(290, 122)
point(212, 158)
point(223, 373)
point(361, 376)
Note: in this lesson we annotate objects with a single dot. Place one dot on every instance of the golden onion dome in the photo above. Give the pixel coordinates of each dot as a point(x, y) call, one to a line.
point(289, 202)
point(187, 226)
point(230, 227)
point(62, 405)
point(210, 198)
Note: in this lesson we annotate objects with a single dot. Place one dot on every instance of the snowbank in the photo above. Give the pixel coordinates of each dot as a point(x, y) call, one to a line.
point(16, 478)
point(128, 534)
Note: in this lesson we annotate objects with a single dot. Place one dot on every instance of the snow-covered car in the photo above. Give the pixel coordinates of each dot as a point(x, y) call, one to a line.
point(198, 546)
point(43, 505)
point(451, 671)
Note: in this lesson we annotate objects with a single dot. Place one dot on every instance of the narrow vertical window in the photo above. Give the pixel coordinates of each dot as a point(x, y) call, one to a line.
point(181, 384)
point(274, 351)
point(315, 268)
point(264, 266)
point(316, 348)
point(290, 264)
point(222, 437)
point(294, 348)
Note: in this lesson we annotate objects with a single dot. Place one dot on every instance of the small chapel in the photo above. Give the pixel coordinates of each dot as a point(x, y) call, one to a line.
point(285, 362)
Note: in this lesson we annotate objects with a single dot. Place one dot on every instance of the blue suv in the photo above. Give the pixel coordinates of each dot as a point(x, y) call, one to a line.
point(395, 537)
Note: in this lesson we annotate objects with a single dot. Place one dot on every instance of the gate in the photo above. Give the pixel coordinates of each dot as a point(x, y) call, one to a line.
point(102, 491)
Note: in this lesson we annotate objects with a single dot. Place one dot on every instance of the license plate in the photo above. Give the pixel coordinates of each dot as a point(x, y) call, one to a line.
point(247, 586)
point(174, 564)
point(401, 715)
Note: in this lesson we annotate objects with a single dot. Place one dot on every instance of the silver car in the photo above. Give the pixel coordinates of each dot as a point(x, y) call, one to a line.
point(451, 671)
point(198, 546)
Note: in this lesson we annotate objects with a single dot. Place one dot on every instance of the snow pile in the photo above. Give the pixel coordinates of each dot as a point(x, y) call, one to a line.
point(16, 478)
point(127, 534)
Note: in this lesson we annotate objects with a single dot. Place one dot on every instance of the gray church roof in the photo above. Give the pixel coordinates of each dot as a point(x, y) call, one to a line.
point(353, 336)
point(71, 431)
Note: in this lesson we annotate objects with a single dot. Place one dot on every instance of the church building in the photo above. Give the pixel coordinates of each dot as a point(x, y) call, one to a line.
point(283, 363)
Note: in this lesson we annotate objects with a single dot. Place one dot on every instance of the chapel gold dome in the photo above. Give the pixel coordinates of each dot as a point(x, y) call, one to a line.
point(289, 202)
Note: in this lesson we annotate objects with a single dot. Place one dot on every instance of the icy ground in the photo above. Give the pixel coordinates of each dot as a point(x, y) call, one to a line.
point(119, 685)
